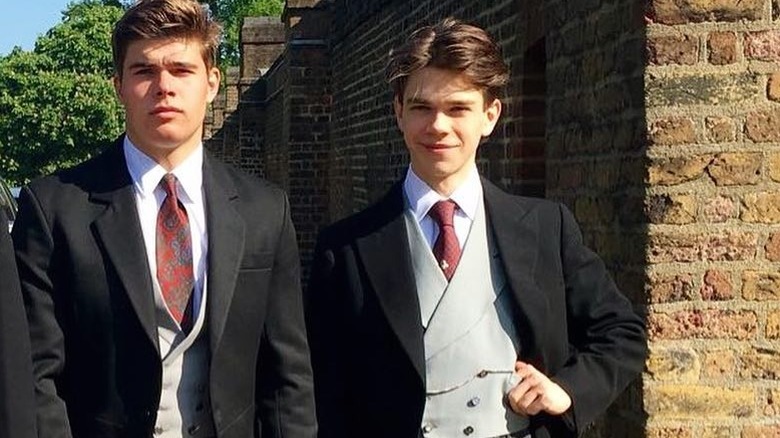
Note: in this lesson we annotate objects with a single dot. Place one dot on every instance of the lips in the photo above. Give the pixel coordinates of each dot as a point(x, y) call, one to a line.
point(438, 146)
point(163, 110)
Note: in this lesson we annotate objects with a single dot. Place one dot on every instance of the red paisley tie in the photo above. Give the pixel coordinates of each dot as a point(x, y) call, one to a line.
point(446, 249)
point(174, 255)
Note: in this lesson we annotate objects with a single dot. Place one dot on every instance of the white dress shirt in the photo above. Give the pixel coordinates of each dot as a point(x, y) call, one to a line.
point(421, 197)
point(146, 175)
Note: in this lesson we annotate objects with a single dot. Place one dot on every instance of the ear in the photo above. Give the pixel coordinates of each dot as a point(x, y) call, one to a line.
point(213, 79)
point(492, 113)
point(398, 108)
point(117, 81)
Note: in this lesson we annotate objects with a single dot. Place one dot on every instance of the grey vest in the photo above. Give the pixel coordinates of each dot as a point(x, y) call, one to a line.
point(185, 407)
point(471, 343)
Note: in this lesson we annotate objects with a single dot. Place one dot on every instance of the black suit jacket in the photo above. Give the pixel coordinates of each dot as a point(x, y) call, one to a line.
point(366, 334)
point(17, 418)
point(86, 281)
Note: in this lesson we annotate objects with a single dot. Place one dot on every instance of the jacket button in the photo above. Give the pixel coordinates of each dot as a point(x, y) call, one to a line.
point(427, 428)
point(193, 429)
point(468, 430)
point(158, 430)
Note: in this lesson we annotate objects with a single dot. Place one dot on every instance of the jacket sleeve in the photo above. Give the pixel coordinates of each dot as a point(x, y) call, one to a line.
point(17, 415)
point(285, 392)
point(607, 338)
point(327, 340)
point(35, 252)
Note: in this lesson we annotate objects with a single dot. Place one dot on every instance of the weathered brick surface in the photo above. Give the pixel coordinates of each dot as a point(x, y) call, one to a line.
point(773, 326)
point(718, 364)
point(772, 403)
point(761, 286)
point(670, 288)
point(763, 126)
point(698, 401)
point(773, 167)
point(722, 48)
point(762, 207)
point(730, 246)
point(687, 11)
point(672, 131)
point(720, 129)
point(703, 324)
point(670, 432)
point(717, 286)
point(718, 209)
point(763, 46)
point(678, 170)
point(674, 364)
point(691, 247)
point(735, 168)
point(770, 431)
point(678, 247)
point(773, 87)
point(675, 49)
point(760, 363)
point(672, 209)
point(772, 247)
point(702, 89)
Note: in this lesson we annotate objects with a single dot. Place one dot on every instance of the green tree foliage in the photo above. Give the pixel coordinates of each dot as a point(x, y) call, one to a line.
point(58, 103)
point(231, 14)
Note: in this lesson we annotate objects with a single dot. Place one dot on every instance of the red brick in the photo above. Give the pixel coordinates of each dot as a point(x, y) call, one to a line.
point(674, 49)
point(723, 48)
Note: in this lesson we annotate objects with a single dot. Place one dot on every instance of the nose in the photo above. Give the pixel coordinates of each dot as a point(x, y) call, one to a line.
point(439, 122)
point(164, 84)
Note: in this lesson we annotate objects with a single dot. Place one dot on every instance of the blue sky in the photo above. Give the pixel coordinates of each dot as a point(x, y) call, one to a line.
point(22, 21)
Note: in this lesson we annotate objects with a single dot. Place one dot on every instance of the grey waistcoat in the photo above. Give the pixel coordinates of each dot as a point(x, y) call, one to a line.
point(471, 343)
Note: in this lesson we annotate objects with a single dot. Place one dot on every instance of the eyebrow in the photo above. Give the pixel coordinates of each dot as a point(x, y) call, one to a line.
point(178, 64)
point(459, 102)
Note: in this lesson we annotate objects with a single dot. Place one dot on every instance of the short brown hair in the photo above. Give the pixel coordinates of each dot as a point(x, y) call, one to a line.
point(154, 19)
point(452, 45)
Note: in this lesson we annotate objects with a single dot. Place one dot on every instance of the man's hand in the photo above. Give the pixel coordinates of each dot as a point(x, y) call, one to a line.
point(536, 393)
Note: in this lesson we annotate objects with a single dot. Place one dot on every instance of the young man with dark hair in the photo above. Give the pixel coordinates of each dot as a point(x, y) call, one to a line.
point(163, 286)
point(451, 308)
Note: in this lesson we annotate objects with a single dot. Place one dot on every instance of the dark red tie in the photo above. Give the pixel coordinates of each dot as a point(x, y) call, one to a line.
point(446, 249)
point(174, 255)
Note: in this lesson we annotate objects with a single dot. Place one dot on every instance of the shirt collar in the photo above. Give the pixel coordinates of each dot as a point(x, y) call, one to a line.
point(146, 173)
point(421, 196)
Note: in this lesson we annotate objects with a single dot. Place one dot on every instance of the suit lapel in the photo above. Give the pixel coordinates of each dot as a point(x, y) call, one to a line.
point(119, 231)
point(225, 244)
point(516, 231)
point(385, 255)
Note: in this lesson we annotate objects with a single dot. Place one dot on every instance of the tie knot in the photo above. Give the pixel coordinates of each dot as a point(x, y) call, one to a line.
point(443, 212)
point(168, 183)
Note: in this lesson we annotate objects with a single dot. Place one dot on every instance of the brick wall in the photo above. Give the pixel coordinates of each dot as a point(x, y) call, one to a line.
point(713, 122)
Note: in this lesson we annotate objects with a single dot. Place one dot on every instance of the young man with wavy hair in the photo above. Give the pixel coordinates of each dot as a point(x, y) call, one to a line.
point(450, 307)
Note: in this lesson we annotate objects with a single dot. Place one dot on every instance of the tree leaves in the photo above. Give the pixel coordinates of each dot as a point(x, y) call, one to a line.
point(57, 103)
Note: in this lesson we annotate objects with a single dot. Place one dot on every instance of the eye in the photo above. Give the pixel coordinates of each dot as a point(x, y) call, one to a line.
point(459, 109)
point(181, 71)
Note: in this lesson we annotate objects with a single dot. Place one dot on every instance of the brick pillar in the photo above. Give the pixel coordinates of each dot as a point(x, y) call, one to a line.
point(262, 42)
point(307, 98)
point(713, 122)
